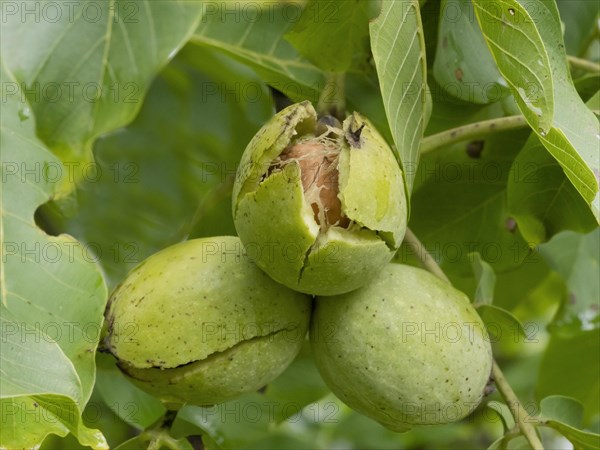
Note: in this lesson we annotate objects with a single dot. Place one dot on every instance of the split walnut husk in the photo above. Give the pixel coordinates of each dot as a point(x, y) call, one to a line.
point(319, 205)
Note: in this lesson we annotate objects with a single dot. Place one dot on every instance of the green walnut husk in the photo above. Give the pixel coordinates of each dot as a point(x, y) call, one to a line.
point(319, 205)
point(199, 323)
point(406, 350)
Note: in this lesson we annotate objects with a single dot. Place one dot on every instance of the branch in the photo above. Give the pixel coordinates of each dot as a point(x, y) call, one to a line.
point(471, 131)
point(583, 64)
point(522, 418)
point(426, 259)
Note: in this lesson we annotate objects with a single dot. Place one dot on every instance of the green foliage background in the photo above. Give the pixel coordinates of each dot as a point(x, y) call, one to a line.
point(122, 124)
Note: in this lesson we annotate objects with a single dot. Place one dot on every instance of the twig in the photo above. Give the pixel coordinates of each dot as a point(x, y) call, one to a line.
point(426, 259)
point(522, 418)
point(583, 64)
point(471, 131)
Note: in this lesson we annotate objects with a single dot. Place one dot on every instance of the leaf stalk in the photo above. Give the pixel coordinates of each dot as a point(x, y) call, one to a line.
point(471, 131)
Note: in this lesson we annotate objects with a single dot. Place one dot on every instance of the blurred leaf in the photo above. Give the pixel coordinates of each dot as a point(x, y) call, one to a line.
point(246, 421)
point(579, 17)
point(459, 204)
point(485, 278)
point(565, 415)
point(587, 86)
point(258, 41)
point(504, 413)
point(125, 399)
point(398, 50)
point(463, 65)
point(86, 72)
point(329, 32)
point(562, 409)
point(579, 438)
point(510, 442)
point(156, 440)
point(168, 174)
point(594, 101)
point(98, 414)
point(462, 198)
point(51, 297)
point(576, 258)
point(135, 443)
point(531, 31)
point(532, 284)
point(542, 199)
point(501, 324)
point(449, 113)
point(571, 367)
point(298, 386)
point(232, 424)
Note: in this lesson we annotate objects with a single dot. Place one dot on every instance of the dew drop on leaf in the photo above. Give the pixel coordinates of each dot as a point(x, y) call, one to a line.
point(24, 113)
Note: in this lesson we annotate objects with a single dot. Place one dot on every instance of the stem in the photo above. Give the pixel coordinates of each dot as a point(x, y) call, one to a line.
point(155, 443)
point(333, 99)
point(471, 131)
point(159, 438)
point(426, 259)
point(583, 64)
point(522, 418)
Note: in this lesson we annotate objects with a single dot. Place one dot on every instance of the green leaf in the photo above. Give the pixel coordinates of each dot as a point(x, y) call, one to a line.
point(135, 443)
point(232, 424)
point(562, 409)
point(576, 258)
point(27, 420)
point(298, 386)
point(513, 38)
point(463, 65)
point(501, 324)
point(329, 32)
point(504, 413)
point(126, 400)
point(587, 85)
point(579, 438)
point(157, 440)
point(565, 415)
point(52, 297)
point(578, 17)
point(594, 102)
point(259, 42)
point(525, 38)
point(510, 442)
point(86, 72)
point(542, 199)
point(570, 367)
point(398, 48)
point(485, 278)
point(532, 287)
point(169, 173)
point(459, 205)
